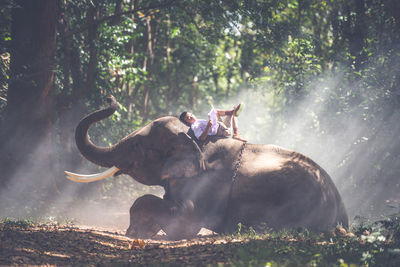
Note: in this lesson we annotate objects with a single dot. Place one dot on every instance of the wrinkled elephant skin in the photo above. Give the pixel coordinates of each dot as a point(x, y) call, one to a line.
point(274, 187)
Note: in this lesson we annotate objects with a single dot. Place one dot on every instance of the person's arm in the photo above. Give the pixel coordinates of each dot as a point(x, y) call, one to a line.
point(203, 136)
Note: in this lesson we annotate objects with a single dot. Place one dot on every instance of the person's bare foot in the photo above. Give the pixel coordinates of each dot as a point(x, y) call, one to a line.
point(239, 137)
point(237, 109)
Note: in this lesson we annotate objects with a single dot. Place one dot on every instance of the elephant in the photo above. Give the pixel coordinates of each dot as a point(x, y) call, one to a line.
point(215, 184)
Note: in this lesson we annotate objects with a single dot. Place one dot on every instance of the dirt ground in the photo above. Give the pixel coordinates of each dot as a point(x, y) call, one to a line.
point(30, 244)
point(80, 245)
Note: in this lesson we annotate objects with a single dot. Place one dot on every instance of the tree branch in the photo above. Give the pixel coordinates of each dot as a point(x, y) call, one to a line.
point(104, 19)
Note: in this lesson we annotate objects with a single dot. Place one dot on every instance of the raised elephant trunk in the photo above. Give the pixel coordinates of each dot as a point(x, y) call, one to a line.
point(102, 156)
point(99, 155)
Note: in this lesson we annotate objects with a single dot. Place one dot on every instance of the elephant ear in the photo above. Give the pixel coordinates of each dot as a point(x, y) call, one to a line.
point(185, 158)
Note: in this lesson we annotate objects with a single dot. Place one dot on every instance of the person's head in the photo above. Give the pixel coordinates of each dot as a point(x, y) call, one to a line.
point(187, 118)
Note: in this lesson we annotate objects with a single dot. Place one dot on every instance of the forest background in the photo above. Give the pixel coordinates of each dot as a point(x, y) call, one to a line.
point(317, 76)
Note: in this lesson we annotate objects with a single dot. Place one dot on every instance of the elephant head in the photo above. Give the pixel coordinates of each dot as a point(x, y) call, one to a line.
point(159, 150)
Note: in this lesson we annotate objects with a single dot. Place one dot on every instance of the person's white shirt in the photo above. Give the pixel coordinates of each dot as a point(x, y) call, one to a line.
point(200, 125)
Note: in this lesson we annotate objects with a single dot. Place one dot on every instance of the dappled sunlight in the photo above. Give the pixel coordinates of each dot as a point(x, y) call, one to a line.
point(316, 78)
point(339, 146)
point(72, 245)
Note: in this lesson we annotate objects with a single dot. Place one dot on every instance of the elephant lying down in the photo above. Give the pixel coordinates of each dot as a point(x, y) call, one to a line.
point(271, 186)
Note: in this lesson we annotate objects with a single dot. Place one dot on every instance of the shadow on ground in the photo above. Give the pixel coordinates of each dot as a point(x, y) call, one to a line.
point(73, 245)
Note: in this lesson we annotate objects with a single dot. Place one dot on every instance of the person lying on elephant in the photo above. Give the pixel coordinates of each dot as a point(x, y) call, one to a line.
point(214, 125)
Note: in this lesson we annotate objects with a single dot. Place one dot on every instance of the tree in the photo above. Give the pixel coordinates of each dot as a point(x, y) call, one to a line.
point(29, 111)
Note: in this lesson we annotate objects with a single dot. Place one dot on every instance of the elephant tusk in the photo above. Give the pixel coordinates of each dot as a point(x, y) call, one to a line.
point(87, 178)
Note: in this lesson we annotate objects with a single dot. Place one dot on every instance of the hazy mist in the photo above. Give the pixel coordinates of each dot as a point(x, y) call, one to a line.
point(301, 126)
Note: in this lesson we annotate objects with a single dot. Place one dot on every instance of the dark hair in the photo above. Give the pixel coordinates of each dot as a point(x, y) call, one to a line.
point(182, 118)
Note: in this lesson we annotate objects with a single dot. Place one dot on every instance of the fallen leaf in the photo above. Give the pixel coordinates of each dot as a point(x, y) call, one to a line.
point(220, 241)
point(137, 243)
point(350, 234)
point(340, 230)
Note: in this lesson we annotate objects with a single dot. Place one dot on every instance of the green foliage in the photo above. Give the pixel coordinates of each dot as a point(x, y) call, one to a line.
point(245, 232)
point(299, 247)
point(10, 223)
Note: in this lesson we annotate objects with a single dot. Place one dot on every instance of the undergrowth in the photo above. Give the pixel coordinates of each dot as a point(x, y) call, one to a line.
point(367, 244)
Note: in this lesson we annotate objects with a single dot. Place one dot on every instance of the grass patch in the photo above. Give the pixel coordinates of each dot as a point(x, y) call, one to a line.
point(11, 223)
point(372, 244)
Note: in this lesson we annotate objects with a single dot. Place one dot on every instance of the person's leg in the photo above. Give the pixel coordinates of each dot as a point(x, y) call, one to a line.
point(227, 112)
point(223, 112)
point(230, 120)
point(223, 130)
point(228, 116)
point(235, 127)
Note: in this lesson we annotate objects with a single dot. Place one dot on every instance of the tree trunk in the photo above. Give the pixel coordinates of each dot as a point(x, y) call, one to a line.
point(357, 44)
point(29, 111)
point(148, 64)
point(66, 46)
point(92, 37)
point(170, 91)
